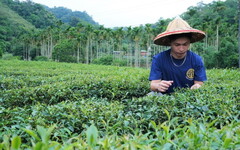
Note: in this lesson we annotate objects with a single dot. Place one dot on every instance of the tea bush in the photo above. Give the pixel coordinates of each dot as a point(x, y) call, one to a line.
point(49, 105)
point(51, 83)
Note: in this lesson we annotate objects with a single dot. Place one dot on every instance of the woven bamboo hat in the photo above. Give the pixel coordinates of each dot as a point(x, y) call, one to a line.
point(178, 26)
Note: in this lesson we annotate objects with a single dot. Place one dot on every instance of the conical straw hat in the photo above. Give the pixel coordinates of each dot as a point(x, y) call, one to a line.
point(178, 26)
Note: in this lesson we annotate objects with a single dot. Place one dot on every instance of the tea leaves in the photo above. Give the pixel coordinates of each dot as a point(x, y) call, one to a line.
point(48, 105)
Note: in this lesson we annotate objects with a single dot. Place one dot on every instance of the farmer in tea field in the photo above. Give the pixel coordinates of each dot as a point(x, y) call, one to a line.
point(177, 67)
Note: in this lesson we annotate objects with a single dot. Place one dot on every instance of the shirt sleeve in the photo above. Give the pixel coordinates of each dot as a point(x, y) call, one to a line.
point(200, 72)
point(155, 72)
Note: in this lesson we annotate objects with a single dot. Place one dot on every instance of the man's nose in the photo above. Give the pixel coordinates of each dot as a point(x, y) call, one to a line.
point(181, 47)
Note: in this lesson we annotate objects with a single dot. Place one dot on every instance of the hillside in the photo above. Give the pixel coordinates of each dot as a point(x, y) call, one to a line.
point(32, 12)
point(19, 18)
point(10, 16)
point(11, 25)
point(71, 17)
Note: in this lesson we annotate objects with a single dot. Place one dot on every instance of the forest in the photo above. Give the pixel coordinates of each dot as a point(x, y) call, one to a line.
point(34, 32)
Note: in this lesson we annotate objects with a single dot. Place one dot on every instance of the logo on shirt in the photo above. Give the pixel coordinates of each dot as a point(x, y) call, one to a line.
point(190, 74)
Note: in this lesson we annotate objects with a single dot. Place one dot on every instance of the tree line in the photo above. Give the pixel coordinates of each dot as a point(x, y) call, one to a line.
point(133, 46)
point(71, 17)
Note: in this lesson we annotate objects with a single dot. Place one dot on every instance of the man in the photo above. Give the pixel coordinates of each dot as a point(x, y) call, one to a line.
point(177, 67)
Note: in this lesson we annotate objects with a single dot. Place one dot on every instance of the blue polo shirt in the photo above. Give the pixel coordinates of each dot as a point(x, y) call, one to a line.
point(165, 67)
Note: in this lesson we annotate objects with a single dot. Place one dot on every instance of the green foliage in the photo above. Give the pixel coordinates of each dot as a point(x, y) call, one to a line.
point(63, 51)
point(11, 26)
point(210, 60)
point(8, 56)
point(16, 143)
point(71, 17)
point(1, 53)
point(41, 58)
point(13, 20)
point(220, 22)
point(165, 135)
point(45, 90)
point(84, 41)
point(227, 57)
point(92, 136)
point(109, 60)
point(105, 60)
point(42, 132)
point(119, 62)
point(2, 47)
point(32, 12)
point(47, 105)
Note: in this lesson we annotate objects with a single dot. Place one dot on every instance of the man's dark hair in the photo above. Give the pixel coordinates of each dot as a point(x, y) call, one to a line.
point(176, 36)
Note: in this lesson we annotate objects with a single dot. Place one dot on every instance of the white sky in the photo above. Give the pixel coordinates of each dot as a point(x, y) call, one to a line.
point(121, 13)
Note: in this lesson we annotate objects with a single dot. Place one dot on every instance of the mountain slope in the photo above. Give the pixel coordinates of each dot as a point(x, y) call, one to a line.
point(11, 26)
point(12, 18)
point(34, 13)
point(72, 17)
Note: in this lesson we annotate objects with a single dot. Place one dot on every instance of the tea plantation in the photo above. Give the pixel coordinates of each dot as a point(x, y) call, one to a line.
point(63, 106)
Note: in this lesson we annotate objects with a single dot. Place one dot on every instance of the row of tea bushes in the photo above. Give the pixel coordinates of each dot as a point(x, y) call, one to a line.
point(73, 90)
point(51, 82)
point(167, 135)
point(122, 117)
point(37, 95)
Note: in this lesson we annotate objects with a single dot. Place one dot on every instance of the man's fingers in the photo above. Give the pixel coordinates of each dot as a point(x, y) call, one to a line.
point(162, 89)
point(166, 83)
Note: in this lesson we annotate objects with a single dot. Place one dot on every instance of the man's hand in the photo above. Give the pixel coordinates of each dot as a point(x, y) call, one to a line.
point(160, 85)
point(196, 85)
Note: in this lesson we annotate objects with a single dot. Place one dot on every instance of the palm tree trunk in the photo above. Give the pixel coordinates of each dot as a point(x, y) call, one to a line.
point(51, 46)
point(91, 50)
point(48, 48)
point(136, 55)
point(87, 51)
point(97, 48)
point(25, 52)
point(78, 52)
point(147, 57)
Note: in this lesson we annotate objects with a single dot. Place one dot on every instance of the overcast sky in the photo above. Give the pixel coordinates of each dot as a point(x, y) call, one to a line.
point(120, 13)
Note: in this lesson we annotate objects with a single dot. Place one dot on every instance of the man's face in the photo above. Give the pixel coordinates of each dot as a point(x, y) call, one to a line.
point(180, 46)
